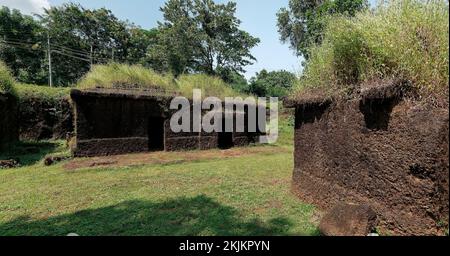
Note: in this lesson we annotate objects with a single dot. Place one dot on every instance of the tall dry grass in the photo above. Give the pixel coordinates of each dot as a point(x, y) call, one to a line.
point(209, 85)
point(116, 75)
point(403, 39)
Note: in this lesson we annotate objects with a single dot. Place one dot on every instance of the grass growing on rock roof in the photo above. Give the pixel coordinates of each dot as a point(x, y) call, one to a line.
point(6, 79)
point(209, 85)
point(122, 76)
point(405, 39)
point(115, 75)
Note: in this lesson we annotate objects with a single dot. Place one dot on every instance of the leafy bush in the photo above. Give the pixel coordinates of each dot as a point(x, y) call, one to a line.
point(404, 39)
point(46, 93)
point(6, 80)
point(116, 75)
point(271, 84)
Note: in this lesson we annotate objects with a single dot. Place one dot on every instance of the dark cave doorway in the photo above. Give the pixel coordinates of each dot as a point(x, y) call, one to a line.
point(156, 134)
point(225, 140)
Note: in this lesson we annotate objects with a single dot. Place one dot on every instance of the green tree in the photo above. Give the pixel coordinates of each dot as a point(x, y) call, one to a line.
point(302, 23)
point(78, 37)
point(274, 84)
point(140, 41)
point(202, 36)
point(81, 36)
point(20, 47)
point(236, 80)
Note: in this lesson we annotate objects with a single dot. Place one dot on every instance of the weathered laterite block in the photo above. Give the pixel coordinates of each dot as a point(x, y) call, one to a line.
point(378, 150)
point(105, 147)
point(209, 142)
point(182, 143)
point(40, 119)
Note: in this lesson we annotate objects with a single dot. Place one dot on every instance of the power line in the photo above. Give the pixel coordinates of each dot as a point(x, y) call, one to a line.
point(55, 44)
point(27, 47)
point(96, 56)
point(18, 31)
point(71, 49)
point(61, 49)
point(18, 45)
point(72, 56)
point(71, 52)
point(78, 52)
point(58, 51)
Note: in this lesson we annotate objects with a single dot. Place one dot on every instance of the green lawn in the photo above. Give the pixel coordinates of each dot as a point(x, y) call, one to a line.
point(240, 195)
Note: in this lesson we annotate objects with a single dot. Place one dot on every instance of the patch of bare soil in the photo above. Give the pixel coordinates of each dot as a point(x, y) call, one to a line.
point(167, 157)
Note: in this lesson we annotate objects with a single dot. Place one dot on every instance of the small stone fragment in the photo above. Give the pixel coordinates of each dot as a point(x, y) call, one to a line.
point(50, 160)
point(7, 164)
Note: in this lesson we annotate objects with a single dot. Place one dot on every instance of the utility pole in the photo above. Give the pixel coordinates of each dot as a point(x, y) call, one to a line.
point(91, 57)
point(49, 52)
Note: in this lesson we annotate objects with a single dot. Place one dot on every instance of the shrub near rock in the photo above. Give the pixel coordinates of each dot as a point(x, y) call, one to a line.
point(6, 80)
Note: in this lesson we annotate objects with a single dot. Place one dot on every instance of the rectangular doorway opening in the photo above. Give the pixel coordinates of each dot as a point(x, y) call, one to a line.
point(156, 134)
point(225, 140)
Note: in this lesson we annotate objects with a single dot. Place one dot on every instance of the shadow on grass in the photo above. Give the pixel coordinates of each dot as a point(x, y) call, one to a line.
point(183, 216)
point(29, 153)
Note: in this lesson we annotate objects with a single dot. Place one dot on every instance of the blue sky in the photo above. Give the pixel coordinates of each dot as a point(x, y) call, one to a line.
point(258, 18)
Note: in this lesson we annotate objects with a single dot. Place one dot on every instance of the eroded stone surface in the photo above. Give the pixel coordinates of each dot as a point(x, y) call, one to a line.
point(349, 220)
point(388, 152)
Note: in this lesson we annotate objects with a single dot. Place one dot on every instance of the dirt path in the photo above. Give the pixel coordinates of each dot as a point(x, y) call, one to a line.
point(168, 157)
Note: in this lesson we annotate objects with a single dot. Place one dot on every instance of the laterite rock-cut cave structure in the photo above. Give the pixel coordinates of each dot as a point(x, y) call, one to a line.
point(121, 121)
point(377, 149)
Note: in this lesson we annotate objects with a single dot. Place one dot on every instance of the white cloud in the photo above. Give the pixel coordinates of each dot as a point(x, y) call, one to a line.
point(27, 6)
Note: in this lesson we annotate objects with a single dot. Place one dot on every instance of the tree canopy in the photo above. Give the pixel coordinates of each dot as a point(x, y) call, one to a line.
point(78, 38)
point(271, 84)
point(195, 36)
point(92, 37)
point(20, 44)
point(202, 36)
point(302, 23)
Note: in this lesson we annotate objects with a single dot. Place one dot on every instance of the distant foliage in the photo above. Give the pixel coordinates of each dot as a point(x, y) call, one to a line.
point(302, 23)
point(403, 39)
point(6, 80)
point(236, 80)
point(272, 84)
